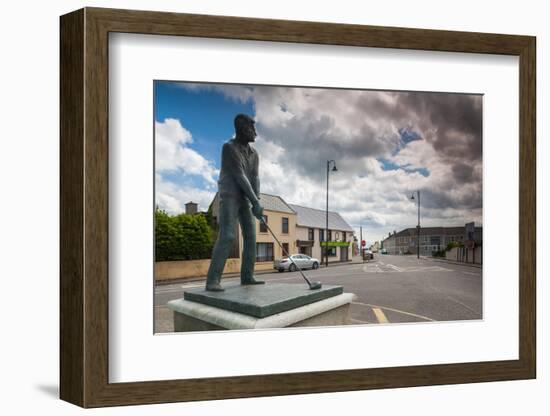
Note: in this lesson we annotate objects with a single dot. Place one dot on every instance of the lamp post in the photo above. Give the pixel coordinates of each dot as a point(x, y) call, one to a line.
point(326, 224)
point(418, 225)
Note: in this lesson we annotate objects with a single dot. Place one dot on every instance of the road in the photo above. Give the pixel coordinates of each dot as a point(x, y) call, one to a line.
point(389, 289)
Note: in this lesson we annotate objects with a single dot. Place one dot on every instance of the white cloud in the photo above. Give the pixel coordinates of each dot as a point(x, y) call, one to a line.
point(172, 197)
point(172, 153)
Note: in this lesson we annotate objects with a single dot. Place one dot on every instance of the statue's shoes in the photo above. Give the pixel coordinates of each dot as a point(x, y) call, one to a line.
point(214, 287)
point(252, 281)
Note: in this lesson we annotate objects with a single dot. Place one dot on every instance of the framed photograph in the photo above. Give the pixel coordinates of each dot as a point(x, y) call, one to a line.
point(254, 207)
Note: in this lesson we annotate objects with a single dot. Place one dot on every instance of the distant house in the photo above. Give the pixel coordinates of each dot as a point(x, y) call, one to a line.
point(432, 239)
point(310, 232)
point(280, 218)
point(299, 229)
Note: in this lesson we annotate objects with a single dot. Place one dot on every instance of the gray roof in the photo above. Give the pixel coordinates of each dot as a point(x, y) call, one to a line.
point(274, 203)
point(316, 218)
point(269, 202)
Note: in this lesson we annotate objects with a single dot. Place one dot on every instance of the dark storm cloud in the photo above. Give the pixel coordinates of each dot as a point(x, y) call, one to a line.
point(465, 198)
point(352, 126)
point(451, 122)
point(310, 141)
point(463, 172)
point(439, 133)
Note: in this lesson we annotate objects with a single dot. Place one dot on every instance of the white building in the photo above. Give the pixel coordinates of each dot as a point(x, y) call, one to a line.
point(310, 230)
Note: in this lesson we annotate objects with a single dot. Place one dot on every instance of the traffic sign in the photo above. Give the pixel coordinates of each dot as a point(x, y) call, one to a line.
point(363, 243)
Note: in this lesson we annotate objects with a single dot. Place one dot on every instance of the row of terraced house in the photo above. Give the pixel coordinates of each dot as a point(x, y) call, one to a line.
point(300, 229)
point(432, 239)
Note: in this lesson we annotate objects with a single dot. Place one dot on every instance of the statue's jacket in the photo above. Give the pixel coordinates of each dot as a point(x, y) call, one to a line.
point(238, 159)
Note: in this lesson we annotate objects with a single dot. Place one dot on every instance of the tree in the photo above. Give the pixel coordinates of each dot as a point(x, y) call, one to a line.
point(182, 236)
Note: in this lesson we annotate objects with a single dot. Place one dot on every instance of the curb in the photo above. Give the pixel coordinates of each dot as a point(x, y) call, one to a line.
point(459, 263)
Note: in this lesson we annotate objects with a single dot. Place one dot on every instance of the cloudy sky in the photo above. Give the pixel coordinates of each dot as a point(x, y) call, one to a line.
point(386, 145)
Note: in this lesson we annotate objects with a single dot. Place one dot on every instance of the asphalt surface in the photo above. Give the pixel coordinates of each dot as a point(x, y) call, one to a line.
point(389, 289)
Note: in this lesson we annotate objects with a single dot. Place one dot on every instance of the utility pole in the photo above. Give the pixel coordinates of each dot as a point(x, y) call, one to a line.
point(361, 241)
point(326, 224)
point(418, 225)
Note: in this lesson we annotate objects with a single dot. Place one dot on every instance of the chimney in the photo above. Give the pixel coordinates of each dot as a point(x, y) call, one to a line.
point(191, 208)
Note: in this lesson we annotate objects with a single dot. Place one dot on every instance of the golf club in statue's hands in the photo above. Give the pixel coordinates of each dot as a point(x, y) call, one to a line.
point(312, 285)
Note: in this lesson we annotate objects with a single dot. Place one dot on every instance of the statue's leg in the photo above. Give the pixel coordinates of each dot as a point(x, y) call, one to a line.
point(229, 208)
point(248, 228)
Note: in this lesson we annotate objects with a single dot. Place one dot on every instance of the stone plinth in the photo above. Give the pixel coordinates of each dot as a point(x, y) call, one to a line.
point(263, 306)
point(262, 300)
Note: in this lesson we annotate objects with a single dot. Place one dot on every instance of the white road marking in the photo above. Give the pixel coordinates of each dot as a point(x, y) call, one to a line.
point(397, 269)
point(390, 268)
point(358, 322)
point(453, 299)
point(472, 274)
point(372, 269)
point(395, 310)
point(462, 304)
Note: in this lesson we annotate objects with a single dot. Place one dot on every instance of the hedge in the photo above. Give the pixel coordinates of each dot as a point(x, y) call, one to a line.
point(182, 236)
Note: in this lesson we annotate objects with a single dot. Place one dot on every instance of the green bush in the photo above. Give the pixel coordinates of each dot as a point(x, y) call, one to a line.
point(182, 237)
point(454, 244)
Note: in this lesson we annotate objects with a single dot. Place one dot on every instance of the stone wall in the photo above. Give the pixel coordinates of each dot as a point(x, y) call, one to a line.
point(464, 255)
point(192, 269)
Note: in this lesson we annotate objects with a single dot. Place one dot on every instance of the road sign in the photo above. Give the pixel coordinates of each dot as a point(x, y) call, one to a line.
point(363, 243)
point(470, 231)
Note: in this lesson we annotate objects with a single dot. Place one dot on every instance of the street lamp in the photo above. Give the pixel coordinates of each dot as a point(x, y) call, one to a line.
point(326, 225)
point(418, 225)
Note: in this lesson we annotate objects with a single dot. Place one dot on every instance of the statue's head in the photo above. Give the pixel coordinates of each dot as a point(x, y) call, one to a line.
point(244, 128)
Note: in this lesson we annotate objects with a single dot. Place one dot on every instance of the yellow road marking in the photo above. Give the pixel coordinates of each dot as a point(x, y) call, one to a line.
point(380, 316)
point(395, 310)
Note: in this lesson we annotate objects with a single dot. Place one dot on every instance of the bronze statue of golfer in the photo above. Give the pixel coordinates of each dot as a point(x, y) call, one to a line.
point(239, 197)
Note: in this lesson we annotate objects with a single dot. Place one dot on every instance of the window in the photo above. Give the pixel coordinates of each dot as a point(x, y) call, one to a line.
point(329, 235)
point(331, 251)
point(264, 251)
point(285, 225)
point(310, 234)
point(321, 235)
point(263, 228)
point(285, 249)
point(344, 236)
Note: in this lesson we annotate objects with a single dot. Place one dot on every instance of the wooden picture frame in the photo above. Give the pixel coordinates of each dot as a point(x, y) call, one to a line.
point(84, 207)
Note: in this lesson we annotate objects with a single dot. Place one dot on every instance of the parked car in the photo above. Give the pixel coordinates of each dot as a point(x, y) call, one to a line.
point(383, 251)
point(303, 262)
point(367, 254)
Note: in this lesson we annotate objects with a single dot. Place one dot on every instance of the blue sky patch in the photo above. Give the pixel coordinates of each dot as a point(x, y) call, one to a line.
point(208, 115)
point(389, 165)
point(408, 135)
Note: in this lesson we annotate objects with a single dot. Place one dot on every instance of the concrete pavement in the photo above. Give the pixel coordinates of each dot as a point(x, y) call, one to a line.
point(389, 289)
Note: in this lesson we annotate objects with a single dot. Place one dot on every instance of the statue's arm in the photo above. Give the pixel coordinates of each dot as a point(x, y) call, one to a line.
point(233, 162)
